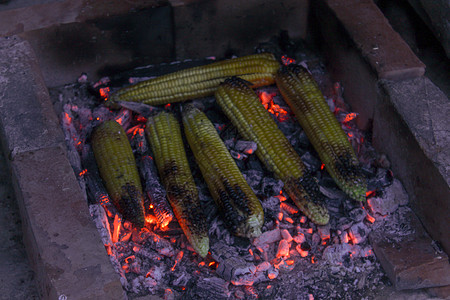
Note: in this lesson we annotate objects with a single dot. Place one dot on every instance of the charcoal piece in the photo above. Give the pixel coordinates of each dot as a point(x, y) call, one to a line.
point(268, 237)
point(271, 186)
point(238, 155)
point(247, 147)
point(358, 214)
point(253, 163)
point(144, 110)
point(311, 162)
point(359, 233)
point(211, 288)
point(383, 178)
point(253, 178)
point(229, 143)
point(235, 269)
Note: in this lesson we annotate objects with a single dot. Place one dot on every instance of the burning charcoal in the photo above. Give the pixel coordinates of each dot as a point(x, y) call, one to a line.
point(253, 178)
point(311, 162)
point(271, 185)
point(212, 288)
point(299, 239)
point(358, 214)
point(124, 118)
point(286, 235)
point(155, 191)
point(283, 249)
point(101, 114)
point(324, 232)
point(236, 270)
point(358, 233)
point(268, 237)
point(238, 155)
point(247, 147)
point(393, 196)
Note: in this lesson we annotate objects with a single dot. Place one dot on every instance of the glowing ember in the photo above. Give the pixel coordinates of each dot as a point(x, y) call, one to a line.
point(289, 208)
point(322, 166)
point(178, 258)
point(370, 218)
point(167, 106)
point(287, 60)
point(370, 194)
point(104, 93)
point(275, 109)
point(302, 252)
point(117, 224)
point(349, 117)
point(82, 173)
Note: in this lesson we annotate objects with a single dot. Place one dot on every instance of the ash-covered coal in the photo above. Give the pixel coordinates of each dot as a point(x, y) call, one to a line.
point(292, 259)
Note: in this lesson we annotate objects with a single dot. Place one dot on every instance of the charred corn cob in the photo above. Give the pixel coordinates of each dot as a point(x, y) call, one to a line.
point(118, 169)
point(303, 95)
point(163, 132)
point(238, 204)
point(241, 104)
point(201, 81)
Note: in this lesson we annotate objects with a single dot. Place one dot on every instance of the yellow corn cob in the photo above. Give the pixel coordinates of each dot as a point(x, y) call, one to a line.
point(118, 169)
point(303, 95)
point(241, 104)
point(163, 132)
point(200, 81)
point(238, 204)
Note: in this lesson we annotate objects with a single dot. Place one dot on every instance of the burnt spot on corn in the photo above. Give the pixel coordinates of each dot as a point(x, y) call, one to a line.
point(311, 189)
point(170, 169)
point(130, 205)
point(229, 215)
point(348, 167)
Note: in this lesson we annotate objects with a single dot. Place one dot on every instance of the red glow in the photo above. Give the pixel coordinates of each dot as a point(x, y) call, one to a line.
point(289, 220)
point(302, 252)
point(370, 218)
point(250, 251)
point(178, 258)
point(287, 60)
point(313, 259)
point(117, 225)
point(167, 105)
point(275, 109)
point(201, 264)
point(349, 117)
point(303, 220)
point(345, 238)
point(288, 208)
point(130, 259)
point(322, 166)
point(280, 216)
point(248, 151)
point(271, 276)
point(150, 219)
point(104, 93)
point(290, 262)
point(370, 194)
point(83, 172)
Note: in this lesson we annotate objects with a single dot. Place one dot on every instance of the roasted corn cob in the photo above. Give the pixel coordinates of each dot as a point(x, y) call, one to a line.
point(163, 132)
point(118, 169)
point(200, 81)
point(238, 204)
point(303, 95)
point(241, 104)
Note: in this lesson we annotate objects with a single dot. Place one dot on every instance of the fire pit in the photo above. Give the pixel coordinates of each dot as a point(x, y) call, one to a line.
point(328, 261)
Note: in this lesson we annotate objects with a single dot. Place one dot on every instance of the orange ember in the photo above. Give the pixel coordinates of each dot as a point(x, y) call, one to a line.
point(322, 166)
point(167, 105)
point(287, 60)
point(275, 109)
point(178, 258)
point(104, 93)
point(370, 218)
point(83, 172)
point(370, 194)
point(349, 117)
point(117, 225)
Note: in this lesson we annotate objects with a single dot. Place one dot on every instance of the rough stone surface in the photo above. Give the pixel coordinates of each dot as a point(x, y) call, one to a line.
point(64, 245)
point(410, 260)
point(425, 109)
point(27, 118)
point(16, 276)
point(384, 49)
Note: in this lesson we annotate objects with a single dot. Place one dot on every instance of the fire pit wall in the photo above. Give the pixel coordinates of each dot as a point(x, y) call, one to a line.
point(384, 82)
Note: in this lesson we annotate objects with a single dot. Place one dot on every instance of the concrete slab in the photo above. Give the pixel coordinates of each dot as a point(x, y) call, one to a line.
point(384, 49)
point(411, 261)
point(27, 118)
point(62, 241)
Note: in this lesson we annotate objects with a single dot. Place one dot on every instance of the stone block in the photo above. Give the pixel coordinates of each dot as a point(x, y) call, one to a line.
point(27, 118)
point(410, 261)
point(62, 242)
point(380, 45)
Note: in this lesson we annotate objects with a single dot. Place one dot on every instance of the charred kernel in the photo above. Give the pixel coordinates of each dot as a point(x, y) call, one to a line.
point(241, 104)
point(302, 94)
point(163, 132)
point(118, 169)
point(240, 208)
